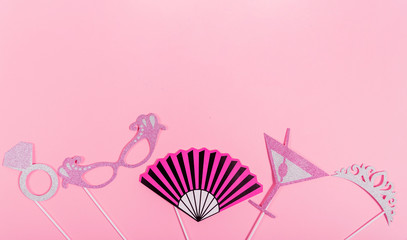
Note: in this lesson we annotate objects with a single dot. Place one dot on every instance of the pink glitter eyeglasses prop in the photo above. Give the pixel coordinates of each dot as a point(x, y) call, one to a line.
point(71, 172)
point(147, 127)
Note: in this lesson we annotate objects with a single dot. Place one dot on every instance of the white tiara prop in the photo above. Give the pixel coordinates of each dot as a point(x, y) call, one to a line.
point(376, 184)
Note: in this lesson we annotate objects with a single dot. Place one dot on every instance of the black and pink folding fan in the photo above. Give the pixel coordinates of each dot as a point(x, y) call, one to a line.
point(201, 182)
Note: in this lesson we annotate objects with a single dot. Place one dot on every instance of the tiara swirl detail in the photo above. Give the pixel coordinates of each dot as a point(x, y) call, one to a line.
point(375, 183)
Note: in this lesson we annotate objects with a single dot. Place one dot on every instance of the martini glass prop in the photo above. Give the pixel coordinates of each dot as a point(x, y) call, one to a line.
point(287, 168)
point(20, 157)
point(374, 183)
point(200, 182)
point(71, 172)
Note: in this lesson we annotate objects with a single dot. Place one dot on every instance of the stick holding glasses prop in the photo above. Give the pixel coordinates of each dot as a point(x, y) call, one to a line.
point(20, 157)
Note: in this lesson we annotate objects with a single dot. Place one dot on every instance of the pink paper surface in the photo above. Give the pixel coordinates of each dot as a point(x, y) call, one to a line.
point(218, 74)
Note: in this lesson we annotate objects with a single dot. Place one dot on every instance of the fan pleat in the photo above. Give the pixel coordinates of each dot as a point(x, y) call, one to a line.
point(195, 204)
point(241, 195)
point(191, 202)
point(231, 182)
point(152, 174)
point(197, 201)
point(156, 190)
point(209, 170)
point(175, 174)
point(186, 209)
point(208, 203)
point(168, 178)
point(183, 170)
point(218, 170)
point(237, 188)
point(225, 176)
point(213, 204)
point(201, 167)
point(232, 189)
point(204, 198)
point(192, 167)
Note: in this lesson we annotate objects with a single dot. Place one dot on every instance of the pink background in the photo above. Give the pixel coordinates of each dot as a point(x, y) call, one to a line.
point(75, 74)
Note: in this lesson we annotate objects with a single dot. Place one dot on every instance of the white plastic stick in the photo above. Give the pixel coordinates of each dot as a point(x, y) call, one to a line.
point(259, 218)
point(52, 220)
point(182, 225)
point(104, 213)
point(365, 225)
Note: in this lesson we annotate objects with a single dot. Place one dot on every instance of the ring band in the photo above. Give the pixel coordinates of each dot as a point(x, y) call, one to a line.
point(54, 182)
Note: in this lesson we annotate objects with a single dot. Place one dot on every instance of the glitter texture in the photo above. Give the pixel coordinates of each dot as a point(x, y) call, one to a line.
point(20, 157)
point(382, 192)
point(147, 127)
point(287, 168)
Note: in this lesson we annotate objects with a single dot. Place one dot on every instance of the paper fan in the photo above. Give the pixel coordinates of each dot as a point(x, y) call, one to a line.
point(201, 182)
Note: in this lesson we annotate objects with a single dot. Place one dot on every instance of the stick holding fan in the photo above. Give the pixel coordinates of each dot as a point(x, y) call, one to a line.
point(201, 182)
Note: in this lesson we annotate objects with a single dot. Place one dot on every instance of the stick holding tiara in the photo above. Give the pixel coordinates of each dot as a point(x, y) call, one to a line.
point(287, 168)
point(381, 190)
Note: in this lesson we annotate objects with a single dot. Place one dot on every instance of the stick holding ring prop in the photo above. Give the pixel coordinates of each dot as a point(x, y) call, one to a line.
point(20, 157)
